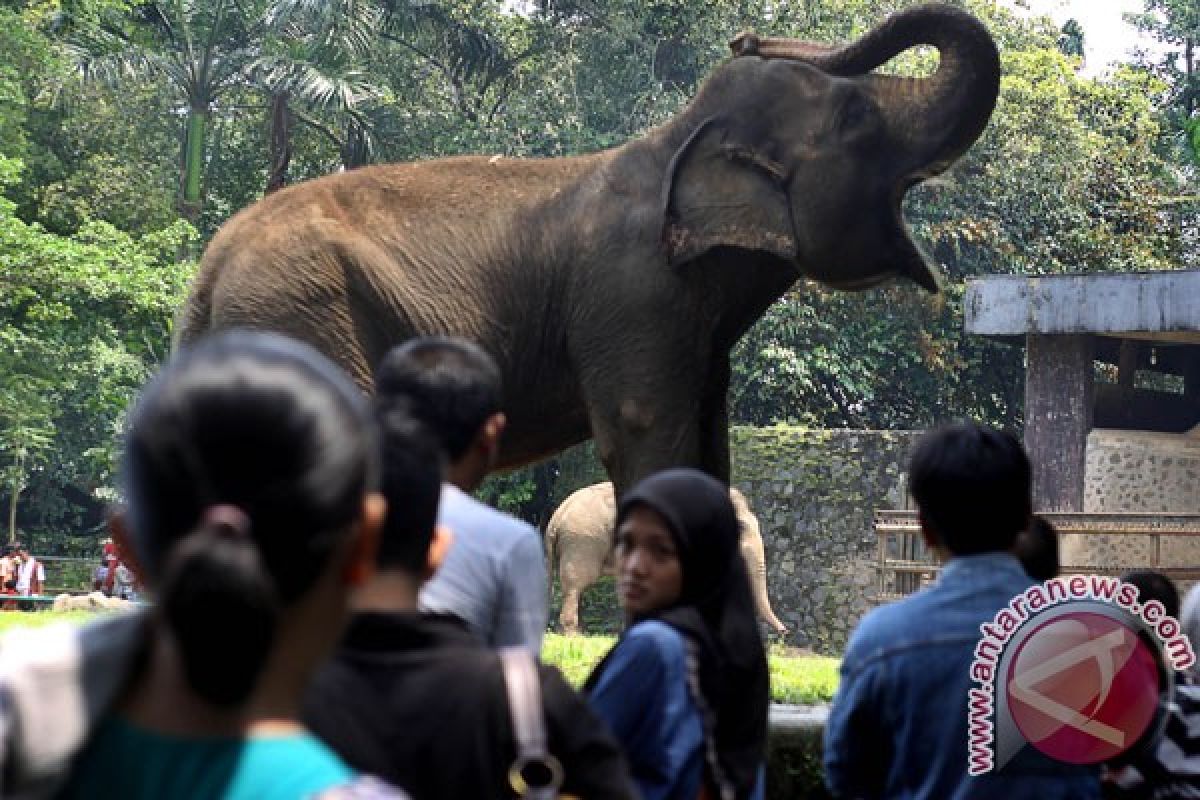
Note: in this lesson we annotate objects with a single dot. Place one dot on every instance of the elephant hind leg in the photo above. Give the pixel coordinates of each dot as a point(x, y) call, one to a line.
point(568, 617)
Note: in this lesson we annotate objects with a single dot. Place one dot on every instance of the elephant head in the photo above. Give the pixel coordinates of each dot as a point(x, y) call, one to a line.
point(797, 149)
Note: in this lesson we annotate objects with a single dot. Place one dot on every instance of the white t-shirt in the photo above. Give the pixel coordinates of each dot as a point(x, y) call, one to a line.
point(25, 575)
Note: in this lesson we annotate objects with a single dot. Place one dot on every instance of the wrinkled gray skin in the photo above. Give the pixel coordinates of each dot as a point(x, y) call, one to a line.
point(579, 537)
point(610, 287)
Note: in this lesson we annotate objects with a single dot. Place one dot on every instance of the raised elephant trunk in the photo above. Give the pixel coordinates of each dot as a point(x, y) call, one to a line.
point(934, 119)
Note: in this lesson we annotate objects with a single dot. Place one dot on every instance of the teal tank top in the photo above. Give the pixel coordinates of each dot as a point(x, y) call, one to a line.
point(126, 762)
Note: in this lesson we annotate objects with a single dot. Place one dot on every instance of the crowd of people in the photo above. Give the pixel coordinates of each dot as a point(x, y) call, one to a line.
point(906, 674)
point(336, 616)
point(113, 577)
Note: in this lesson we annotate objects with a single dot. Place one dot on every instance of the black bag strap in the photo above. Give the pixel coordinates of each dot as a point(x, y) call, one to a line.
point(535, 773)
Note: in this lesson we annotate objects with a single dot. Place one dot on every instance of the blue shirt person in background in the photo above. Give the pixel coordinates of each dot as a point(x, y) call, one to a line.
point(898, 725)
point(494, 576)
point(685, 688)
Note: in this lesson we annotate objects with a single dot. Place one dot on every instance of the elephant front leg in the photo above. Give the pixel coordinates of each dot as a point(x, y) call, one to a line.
point(640, 434)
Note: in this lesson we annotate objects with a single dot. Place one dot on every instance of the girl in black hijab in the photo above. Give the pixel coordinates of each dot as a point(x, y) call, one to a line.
point(685, 688)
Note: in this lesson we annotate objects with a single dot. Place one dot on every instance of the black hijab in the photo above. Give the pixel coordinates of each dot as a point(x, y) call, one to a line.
point(715, 613)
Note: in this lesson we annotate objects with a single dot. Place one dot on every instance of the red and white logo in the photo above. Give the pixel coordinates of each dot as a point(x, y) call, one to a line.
point(1083, 687)
point(1076, 668)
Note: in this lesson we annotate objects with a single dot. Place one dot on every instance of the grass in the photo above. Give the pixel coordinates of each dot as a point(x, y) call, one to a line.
point(795, 678)
point(40, 619)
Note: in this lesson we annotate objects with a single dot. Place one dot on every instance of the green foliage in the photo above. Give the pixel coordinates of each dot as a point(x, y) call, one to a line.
point(84, 320)
point(39, 619)
point(1176, 26)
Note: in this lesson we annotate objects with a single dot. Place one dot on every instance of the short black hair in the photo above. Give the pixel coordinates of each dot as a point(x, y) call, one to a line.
point(1037, 549)
point(412, 485)
point(1153, 585)
point(972, 485)
point(451, 385)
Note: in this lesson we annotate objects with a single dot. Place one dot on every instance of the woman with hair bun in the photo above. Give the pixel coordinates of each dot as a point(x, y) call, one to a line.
point(249, 473)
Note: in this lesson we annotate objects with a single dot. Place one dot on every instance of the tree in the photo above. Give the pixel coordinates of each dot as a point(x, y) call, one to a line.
point(202, 50)
point(1176, 25)
point(1070, 41)
point(84, 321)
point(26, 434)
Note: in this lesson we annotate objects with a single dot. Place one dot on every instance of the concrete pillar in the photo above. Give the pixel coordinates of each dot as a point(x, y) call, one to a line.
point(1059, 380)
point(1128, 363)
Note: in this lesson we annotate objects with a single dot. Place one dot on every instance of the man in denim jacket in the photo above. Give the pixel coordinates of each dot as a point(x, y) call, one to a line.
point(898, 726)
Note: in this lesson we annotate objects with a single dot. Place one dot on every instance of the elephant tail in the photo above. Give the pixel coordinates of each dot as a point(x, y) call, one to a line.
point(550, 542)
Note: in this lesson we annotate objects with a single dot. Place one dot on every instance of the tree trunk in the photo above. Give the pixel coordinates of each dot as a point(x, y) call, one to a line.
point(193, 164)
point(355, 151)
point(279, 141)
point(12, 511)
point(1189, 90)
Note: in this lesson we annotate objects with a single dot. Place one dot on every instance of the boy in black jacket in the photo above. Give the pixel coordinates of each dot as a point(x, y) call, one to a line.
point(417, 699)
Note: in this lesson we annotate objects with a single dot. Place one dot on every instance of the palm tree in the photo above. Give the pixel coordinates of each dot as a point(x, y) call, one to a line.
point(200, 48)
point(315, 50)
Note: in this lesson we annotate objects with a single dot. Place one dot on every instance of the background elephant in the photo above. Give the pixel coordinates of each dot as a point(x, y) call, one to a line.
point(579, 537)
point(611, 287)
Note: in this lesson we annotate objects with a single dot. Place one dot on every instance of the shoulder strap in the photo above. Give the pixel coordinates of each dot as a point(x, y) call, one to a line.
point(535, 773)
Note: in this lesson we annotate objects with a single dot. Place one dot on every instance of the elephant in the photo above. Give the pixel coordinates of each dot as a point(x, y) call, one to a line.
point(611, 287)
point(579, 537)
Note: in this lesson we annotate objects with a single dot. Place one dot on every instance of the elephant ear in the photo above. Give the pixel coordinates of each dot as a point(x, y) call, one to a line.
point(720, 191)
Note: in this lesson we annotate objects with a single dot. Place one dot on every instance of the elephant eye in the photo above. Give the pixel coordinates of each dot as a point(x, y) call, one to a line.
point(857, 116)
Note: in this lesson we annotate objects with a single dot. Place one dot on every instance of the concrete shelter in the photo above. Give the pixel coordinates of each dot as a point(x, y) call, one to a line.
point(1116, 350)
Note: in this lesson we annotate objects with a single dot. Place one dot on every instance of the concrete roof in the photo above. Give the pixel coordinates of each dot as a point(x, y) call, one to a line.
point(1157, 305)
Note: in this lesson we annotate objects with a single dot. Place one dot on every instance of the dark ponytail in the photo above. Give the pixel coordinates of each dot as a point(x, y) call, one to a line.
point(246, 465)
point(221, 607)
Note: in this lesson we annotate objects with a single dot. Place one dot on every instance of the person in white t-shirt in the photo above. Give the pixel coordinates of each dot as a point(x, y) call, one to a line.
point(31, 575)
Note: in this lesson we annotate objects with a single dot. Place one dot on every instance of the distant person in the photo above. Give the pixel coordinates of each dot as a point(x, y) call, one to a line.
point(494, 577)
point(1189, 622)
point(1153, 585)
point(125, 583)
point(898, 724)
point(31, 575)
point(249, 471)
point(684, 689)
point(1037, 549)
point(1168, 767)
point(8, 568)
point(100, 576)
point(417, 699)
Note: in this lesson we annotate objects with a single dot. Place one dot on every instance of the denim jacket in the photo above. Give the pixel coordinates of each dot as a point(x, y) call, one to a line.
point(898, 726)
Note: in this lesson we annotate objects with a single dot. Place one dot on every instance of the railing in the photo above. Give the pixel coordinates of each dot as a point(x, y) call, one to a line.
point(905, 564)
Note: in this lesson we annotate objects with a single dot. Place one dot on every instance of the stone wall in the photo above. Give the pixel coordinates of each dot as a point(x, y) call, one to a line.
point(1138, 472)
point(815, 492)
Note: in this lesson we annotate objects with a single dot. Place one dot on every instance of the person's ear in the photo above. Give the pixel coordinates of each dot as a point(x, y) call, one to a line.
point(118, 528)
point(364, 547)
point(439, 546)
point(491, 431)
